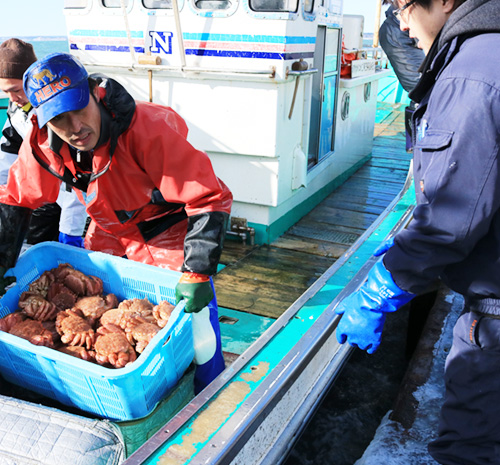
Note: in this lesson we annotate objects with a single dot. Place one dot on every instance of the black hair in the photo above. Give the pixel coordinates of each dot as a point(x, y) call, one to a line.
point(92, 84)
point(424, 3)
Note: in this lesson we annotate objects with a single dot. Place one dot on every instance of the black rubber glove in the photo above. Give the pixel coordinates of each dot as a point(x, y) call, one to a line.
point(4, 282)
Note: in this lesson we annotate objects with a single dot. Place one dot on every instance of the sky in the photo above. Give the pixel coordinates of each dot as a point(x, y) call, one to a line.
point(22, 18)
point(46, 17)
point(367, 8)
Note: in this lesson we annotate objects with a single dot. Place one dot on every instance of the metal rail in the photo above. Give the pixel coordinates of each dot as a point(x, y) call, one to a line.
point(268, 73)
point(227, 442)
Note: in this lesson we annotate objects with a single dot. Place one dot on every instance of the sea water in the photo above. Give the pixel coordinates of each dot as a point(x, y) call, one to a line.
point(46, 45)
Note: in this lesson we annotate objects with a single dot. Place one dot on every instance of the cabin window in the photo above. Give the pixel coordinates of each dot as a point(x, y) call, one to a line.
point(157, 4)
point(114, 3)
point(76, 3)
point(308, 6)
point(290, 6)
point(213, 4)
point(324, 95)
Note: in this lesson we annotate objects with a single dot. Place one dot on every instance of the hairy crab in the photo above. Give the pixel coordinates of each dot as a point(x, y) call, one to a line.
point(80, 283)
point(113, 348)
point(162, 313)
point(74, 329)
point(36, 307)
point(10, 320)
point(93, 307)
point(34, 332)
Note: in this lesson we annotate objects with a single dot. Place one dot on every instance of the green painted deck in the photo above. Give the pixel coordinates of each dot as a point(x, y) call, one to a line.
point(4, 104)
point(265, 280)
point(259, 283)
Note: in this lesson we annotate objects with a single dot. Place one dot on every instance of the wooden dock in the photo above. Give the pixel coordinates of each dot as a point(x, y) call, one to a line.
point(265, 280)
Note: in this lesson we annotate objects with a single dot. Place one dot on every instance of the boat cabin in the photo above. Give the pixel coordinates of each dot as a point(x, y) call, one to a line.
point(258, 83)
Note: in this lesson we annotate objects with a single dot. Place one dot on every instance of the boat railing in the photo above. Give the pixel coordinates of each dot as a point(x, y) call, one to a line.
point(242, 425)
point(266, 73)
point(244, 422)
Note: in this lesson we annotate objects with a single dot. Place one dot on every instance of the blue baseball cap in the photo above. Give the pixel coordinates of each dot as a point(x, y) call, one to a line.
point(56, 84)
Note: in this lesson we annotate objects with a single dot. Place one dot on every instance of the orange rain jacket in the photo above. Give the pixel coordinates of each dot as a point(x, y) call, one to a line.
point(151, 196)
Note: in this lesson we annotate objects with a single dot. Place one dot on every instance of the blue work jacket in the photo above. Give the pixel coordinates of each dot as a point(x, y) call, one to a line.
point(455, 232)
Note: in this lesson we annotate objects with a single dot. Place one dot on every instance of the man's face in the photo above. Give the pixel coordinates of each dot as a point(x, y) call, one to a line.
point(80, 128)
point(424, 24)
point(14, 90)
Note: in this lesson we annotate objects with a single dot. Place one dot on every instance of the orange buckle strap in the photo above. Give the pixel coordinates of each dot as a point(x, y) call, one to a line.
point(189, 277)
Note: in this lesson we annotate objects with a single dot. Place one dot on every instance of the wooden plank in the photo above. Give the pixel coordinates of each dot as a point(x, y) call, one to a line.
point(386, 174)
point(337, 216)
point(361, 207)
point(271, 275)
point(390, 130)
point(381, 185)
point(401, 165)
point(376, 182)
point(234, 251)
point(293, 261)
point(254, 296)
point(399, 154)
point(379, 199)
point(390, 158)
point(264, 276)
point(311, 246)
point(391, 142)
point(310, 222)
point(357, 191)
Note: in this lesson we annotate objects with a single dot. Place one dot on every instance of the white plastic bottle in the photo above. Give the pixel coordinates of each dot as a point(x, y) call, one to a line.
point(204, 340)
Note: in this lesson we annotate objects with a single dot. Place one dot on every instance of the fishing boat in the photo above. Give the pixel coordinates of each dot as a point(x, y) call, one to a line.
point(320, 177)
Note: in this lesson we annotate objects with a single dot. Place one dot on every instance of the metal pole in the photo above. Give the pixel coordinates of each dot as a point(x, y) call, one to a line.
point(127, 28)
point(180, 41)
point(377, 23)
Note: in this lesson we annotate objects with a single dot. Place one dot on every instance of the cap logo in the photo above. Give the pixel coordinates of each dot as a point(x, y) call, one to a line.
point(52, 88)
point(39, 78)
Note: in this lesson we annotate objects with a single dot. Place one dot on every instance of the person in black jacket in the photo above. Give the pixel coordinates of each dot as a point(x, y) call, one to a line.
point(405, 58)
point(401, 50)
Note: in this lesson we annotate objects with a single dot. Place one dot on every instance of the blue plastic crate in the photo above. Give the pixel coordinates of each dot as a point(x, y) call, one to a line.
point(118, 394)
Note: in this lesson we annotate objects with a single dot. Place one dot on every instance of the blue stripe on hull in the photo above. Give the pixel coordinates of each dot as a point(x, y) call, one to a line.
point(203, 52)
point(263, 39)
point(107, 48)
point(248, 54)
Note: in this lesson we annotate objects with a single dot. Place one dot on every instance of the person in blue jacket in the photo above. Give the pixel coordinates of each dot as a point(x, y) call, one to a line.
point(454, 235)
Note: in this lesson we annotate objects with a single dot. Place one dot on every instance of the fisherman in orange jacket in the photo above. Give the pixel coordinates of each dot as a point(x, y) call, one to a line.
point(152, 197)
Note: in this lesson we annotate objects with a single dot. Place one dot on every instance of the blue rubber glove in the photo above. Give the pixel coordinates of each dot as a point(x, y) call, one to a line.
point(364, 310)
point(77, 241)
point(384, 247)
